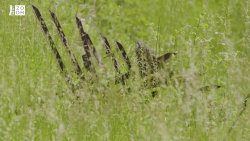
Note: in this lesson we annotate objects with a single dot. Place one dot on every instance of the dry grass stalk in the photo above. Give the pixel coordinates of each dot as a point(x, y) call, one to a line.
point(85, 41)
point(109, 53)
point(52, 45)
point(66, 45)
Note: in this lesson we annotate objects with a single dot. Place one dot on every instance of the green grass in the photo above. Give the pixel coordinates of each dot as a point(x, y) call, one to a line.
point(211, 36)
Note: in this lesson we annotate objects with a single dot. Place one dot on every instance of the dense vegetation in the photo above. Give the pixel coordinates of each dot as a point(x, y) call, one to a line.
point(211, 37)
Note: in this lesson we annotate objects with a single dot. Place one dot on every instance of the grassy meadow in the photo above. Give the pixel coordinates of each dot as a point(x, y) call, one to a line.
point(212, 42)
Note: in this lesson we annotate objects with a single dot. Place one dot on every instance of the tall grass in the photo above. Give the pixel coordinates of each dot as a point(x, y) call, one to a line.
point(212, 39)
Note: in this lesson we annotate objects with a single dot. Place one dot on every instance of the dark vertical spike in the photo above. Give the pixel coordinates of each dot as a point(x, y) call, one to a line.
point(87, 63)
point(88, 40)
point(127, 61)
point(66, 45)
point(52, 45)
point(85, 41)
point(108, 52)
point(124, 54)
point(93, 50)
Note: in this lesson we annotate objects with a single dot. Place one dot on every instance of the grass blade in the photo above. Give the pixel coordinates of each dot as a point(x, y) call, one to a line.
point(124, 54)
point(127, 61)
point(94, 52)
point(66, 45)
point(52, 45)
point(241, 112)
point(87, 41)
point(84, 38)
point(108, 52)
